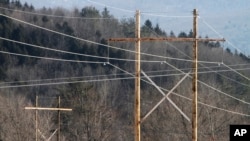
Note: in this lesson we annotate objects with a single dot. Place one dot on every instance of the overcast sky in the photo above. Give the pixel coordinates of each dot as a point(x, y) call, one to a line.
point(230, 18)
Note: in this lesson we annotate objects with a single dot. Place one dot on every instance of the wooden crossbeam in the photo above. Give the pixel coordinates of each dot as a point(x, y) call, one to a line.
point(48, 109)
point(171, 39)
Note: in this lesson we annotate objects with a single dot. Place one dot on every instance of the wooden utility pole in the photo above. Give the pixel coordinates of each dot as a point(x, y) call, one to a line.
point(48, 109)
point(137, 41)
point(59, 122)
point(36, 119)
point(138, 78)
point(194, 81)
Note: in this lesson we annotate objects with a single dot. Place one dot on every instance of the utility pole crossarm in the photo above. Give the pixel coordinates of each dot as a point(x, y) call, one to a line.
point(49, 109)
point(171, 39)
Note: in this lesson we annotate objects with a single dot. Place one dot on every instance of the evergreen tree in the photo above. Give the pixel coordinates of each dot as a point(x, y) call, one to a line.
point(191, 34)
point(4, 2)
point(148, 24)
point(105, 13)
point(90, 12)
point(159, 31)
point(172, 34)
point(183, 35)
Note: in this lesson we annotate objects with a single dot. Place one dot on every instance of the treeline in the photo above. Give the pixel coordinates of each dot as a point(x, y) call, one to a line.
point(103, 111)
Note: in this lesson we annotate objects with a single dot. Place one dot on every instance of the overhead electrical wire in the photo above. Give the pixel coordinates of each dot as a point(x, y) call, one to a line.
point(84, 81)
point(213, 29)
point(74, 53)
point(120, 74)
point(61, 78)
point(56, 83)
point(146, 13)
point(48, 58)
point(92, 42)
point(164, 16)
point(98, 76)
point(56, 16)
point(199, 81)
point(95, 42)
point(199, 61)
point(88, 18)
point(63, 51)
point(143, 13)
point(65, 82)
point(214, 107)
point(47, 30)
point(222, 60)
point(102, 4)
point(247, 78)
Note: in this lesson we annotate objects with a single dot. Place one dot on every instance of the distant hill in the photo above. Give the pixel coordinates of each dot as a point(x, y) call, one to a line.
point(56, 52)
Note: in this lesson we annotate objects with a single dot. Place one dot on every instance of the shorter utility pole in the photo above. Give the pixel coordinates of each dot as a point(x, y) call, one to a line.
point(36, 119)
point(48, 109)
point(59, 127)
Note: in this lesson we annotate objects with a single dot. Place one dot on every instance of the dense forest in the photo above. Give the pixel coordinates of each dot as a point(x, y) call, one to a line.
point(58, 52)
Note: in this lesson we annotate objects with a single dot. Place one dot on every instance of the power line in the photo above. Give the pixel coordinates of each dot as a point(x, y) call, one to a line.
point(102, 4)
point(198, 81)
point(220, 108)
point(214, 107)
point(120, 74)
point(84, 81)
point(187, 97)
point(65, 82)
point(47, 30)
point(237, 72)
point(123, 74)
point(92, 42)
point(47, 58)
point(199, 61)
point(213, 29)
point(211, 86)
point(143, 13)
point(163, 16)
point(56, 16)
point(56, 79)
point(74, 53)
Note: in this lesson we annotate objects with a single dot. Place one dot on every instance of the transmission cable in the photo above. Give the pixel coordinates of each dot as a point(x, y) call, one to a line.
point(92, 42)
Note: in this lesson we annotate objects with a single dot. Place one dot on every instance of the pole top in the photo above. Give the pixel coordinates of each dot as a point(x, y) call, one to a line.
point(195, 12)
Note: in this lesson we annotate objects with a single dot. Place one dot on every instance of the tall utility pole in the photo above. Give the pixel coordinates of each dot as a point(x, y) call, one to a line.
point(138, 78)
point(194, 81)
point(137, 41)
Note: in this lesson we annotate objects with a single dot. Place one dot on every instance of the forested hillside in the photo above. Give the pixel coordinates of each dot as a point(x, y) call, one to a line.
point(57, 52)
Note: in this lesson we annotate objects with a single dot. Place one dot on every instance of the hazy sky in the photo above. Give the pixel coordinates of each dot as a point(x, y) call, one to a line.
point(228, 18)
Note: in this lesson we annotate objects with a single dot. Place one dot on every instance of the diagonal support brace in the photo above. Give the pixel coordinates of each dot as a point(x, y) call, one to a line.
point(52, 135)
point(166, 97)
